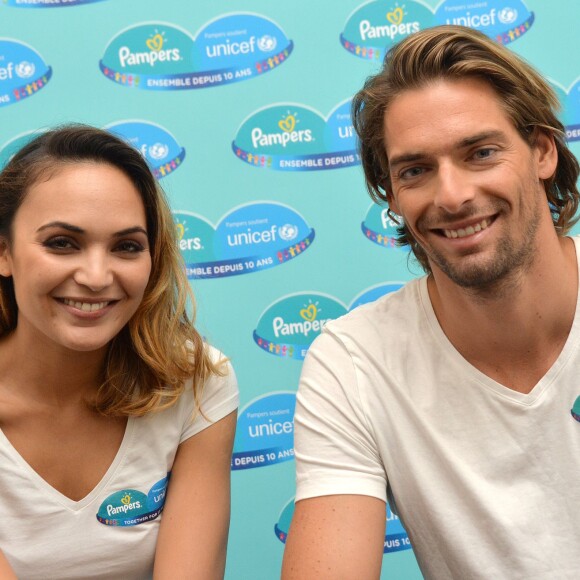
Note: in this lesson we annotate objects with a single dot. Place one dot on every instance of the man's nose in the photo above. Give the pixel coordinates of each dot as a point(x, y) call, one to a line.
point(454, 188)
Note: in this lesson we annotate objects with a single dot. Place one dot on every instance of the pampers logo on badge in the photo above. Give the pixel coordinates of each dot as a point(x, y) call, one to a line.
point(162, 56)
point(47, 3)
point(249, 238)
point(293, 137)
point(396, 538)
point(570, 101)
point(265, 431)
point(23, 72)
point(288, 327)
point(373, 28)
point(156, 144)
point(130, 507)
point(502, 20)
point(379, 228)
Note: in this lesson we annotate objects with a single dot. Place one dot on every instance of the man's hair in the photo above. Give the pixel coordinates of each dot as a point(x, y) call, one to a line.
point(455, 53)
point(150, 360)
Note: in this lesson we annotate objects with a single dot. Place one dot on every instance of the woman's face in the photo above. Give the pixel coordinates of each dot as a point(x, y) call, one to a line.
point(79, 257)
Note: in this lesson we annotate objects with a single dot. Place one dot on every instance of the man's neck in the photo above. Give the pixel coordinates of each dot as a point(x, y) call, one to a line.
point(515, 334)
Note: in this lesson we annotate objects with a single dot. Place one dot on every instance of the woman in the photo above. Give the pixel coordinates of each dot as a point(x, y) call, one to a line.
point(106, 388)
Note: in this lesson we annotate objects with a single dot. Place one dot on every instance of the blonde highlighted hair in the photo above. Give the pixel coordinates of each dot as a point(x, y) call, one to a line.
point(150, 361)
point(456, 52)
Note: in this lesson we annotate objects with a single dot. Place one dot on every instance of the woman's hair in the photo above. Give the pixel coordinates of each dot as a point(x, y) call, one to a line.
point(149, 361)
point(455, 53)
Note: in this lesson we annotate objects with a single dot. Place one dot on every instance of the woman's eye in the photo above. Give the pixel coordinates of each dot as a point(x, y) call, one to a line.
point(130, 247)
point(59, 243)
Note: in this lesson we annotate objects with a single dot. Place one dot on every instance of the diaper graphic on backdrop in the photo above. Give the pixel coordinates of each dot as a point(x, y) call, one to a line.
point(252, 237)
point(294, 137)
point(157, 145)
point(265, 431)
point(163, 56)
point(396, 538)
point(376, 26)
point(23, 72)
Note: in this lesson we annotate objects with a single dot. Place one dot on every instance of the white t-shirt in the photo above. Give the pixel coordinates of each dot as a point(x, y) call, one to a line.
point(486, 480)
point(112, 532)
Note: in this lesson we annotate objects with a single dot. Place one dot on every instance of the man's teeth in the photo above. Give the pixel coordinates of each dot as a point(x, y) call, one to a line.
point(85, 306)
point(468, 231)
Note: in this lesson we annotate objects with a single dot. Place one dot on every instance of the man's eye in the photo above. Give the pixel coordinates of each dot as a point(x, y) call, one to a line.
point(484, 153)
point(411, 172)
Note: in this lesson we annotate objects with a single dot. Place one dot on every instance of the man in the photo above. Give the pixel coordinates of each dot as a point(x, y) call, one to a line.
point(452, 398)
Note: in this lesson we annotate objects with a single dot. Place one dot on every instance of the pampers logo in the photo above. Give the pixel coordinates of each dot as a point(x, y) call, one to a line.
point(157, 145)
point(47, 3)
point(502, 20)
point(373, 28)
point(265, 431)
point(131, 507)
point(570, 101)
point(23, 72)
point(376, 26)
point(288, 327)
point(379, 228)
point(293, 137)
point(162, 56)
point(396, 538)
point(249, 238)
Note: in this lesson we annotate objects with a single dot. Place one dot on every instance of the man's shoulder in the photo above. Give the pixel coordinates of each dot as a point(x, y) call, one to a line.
point(389, 311)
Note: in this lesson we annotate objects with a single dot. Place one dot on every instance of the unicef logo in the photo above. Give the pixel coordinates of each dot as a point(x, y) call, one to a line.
point(507, 15)
point(267, 43)
point(288, 232)
point(25, 69)
point(158, 151)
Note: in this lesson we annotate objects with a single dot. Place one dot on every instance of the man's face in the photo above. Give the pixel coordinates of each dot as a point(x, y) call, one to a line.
point(466, 183)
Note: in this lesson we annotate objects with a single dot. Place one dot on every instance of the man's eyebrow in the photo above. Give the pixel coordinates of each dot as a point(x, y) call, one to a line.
point(461, 144)
point(77, 230)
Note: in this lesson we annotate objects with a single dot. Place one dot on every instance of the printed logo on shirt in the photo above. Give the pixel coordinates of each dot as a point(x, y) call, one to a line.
point(294, 137)
point(288, 327)
point(396, 538)
point(570, 101)
point(265, 431)
point(576, 409)
point(163, 57)
point(252, 237)
point(47, 3)
point(157, 145)
point(379, 228)
point(130, 507)
point(23, 72)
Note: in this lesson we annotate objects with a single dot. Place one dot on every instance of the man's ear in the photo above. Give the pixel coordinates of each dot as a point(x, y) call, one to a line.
point(546, 155)
point(5, 259)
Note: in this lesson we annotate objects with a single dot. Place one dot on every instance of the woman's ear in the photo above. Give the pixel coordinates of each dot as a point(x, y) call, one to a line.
point(5, 259)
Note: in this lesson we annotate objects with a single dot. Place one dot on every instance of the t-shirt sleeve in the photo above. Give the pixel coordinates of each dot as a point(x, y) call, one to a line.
point(333, 443)
point(219, 398)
